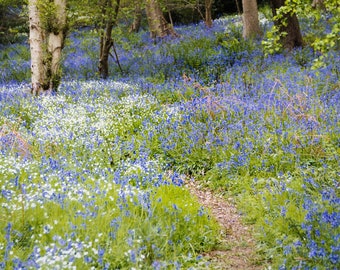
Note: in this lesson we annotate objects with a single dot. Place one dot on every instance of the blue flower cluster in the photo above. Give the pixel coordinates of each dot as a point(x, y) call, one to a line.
point(94, 176)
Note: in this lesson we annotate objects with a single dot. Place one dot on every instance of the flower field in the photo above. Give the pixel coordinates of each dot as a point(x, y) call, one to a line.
point(93, 176)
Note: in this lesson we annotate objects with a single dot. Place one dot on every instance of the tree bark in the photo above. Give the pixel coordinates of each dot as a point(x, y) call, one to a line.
point(208, 9)
point(56, 40)
point(36, 40)
point(318, 4)
point(106, 41)
point(137, 18)
point(158, 25)
point(251, 25)
point(289, 24)
point(46, 39)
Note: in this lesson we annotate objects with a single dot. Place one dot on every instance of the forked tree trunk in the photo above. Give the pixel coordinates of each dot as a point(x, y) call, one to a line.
point(289, 25)
point(106, 41)
point(46, 44)
point(251, 25)
point(158, 25)
point(137, 17)
point(208, 10)
point(56, 40)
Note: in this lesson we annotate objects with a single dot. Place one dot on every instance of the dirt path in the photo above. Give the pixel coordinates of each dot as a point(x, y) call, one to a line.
point(239, 252)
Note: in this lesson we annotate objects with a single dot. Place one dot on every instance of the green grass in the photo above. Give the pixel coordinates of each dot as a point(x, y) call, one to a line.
point(102, 183)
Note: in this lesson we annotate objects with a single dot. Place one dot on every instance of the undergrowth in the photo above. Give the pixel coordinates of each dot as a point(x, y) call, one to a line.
point(93, 176)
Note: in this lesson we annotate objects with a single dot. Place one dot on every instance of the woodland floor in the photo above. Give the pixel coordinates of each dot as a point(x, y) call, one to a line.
point(238, 250)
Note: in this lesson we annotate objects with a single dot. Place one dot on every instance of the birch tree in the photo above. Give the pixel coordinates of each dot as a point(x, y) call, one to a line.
point(47, 26)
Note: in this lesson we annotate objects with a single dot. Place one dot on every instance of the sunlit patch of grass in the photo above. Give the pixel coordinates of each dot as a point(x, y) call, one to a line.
point(95, 222)
point(96, 190)
point(80, 201)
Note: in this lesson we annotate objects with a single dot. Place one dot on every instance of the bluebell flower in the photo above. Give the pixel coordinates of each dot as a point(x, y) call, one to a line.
point(334, 258)
point(157, 265)
point(133, 256)
point(88, 259)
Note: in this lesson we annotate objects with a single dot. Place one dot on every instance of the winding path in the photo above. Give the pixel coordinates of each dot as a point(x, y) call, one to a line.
point(238, 250)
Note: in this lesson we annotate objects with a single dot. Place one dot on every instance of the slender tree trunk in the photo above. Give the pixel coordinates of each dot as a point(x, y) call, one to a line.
point(158, 26)
point(208, 9)
point(170, 19)
point(238, 7)
point(289, 25)
point(36, 40)
point(106, 41)
point(106, 44)
point(46, 44)
point(251, 25)
point(169, 13)
point(137, 18)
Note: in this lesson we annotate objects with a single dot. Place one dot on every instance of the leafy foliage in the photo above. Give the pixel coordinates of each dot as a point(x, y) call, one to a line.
point(13, 25)
point(323, 36)
point(103, 184)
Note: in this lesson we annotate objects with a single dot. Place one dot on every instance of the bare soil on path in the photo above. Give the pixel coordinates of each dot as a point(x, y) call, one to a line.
point(238, 250)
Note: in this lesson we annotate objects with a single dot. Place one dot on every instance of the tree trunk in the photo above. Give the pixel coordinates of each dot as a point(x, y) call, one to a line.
point(106, 41)
point(56, 43)
point(106, 44)
point(36, 40)
point(208, 9)
point(251, 25)
point(289, 24)
point(46, 39)
point(137, 18)
point(158, 26)
point(318, 4)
